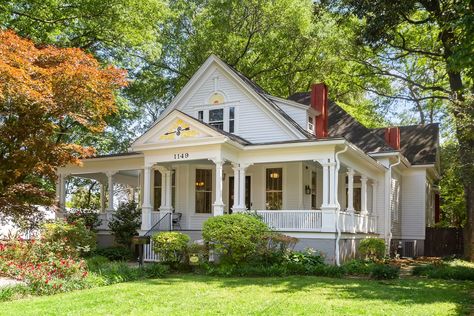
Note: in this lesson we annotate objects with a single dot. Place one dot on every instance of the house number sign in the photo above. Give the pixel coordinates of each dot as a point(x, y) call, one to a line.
point(181, 156)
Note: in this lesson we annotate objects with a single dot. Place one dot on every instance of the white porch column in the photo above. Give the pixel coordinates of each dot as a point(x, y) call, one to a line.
point(146, 206)
point(242, 205)
point(235, 207)
point(218, 206)
point(325, 166)
point(332, 183)
point(102, 197)
point(169, 200)
point(374, 196)
point(363, 197)
point(110, 182)
point(61, 193)
point(350, 190)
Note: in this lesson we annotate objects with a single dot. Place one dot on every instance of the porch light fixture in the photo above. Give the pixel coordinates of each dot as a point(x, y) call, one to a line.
point(274, 175)
point(307, 189)
point(200, 184)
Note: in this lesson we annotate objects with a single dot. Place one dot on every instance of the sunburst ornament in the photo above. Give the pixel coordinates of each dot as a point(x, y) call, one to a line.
point(216, 98)
point(179, 129)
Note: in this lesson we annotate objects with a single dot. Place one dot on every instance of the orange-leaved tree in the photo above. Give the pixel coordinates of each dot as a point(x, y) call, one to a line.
point(46, 93)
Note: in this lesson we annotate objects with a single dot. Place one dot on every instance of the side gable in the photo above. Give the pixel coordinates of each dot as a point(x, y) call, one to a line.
point(258, 118)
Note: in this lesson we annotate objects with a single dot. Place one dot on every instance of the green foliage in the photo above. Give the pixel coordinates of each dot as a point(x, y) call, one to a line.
point(372, 248)
point(236, 236)
point(358, 267)
point(85, 194)
point(453, 206)
point(125, 223)
point(115, 253)
point(90, 217)
point(308, 257)
point(170, 246)
point(75, 235)
point(453, 270)
point(385, 271)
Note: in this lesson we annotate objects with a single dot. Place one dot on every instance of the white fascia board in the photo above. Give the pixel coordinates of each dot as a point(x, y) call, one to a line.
point(292, 103)
point(295, 144)
point(365, 156)
point(139, 155)
point(183, 143)
point(394, 154)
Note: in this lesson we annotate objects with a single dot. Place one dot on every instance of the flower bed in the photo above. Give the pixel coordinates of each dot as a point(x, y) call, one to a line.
point(46, 267)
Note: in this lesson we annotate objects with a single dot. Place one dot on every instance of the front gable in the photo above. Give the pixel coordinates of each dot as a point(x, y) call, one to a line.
point(176, 127)
point(216, 86)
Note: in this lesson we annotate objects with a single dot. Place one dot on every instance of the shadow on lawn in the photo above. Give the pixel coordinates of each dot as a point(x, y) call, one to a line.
point(405, 291)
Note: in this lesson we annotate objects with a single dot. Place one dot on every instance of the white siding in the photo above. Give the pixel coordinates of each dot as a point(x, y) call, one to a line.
point(395, 207)
point(253, 122)
point(413, 204)
point(299, 115)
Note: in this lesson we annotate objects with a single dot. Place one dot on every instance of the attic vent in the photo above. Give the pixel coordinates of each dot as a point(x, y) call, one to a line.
point(408, 249)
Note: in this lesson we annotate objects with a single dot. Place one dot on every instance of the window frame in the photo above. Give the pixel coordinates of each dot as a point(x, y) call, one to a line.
point(158, 187)
point(196, 191)
point(267, 191)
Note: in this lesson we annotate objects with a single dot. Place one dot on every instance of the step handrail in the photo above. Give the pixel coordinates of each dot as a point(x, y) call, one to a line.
point(158, 223)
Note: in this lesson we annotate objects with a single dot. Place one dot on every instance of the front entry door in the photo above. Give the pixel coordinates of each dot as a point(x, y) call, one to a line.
point(248, 186)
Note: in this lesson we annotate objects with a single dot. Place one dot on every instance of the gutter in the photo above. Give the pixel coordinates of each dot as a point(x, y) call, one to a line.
point(388, 218)
point(338, 206)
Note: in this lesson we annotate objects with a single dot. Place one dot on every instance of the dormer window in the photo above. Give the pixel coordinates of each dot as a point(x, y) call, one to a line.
point(311, 124)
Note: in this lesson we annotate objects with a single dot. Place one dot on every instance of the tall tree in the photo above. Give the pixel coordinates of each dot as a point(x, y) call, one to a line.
point(440, 32)
point(43, 93)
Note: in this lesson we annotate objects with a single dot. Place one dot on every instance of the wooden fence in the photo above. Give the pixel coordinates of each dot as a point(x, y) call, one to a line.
point(441, 242)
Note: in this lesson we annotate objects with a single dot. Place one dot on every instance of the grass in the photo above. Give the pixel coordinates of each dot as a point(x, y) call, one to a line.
point(204, 295)
point(451, 270)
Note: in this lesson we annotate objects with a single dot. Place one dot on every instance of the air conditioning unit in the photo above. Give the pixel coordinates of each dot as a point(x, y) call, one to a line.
point(408, 249)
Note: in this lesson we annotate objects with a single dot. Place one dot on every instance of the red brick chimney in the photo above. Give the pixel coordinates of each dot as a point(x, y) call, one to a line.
point(319, 102)
point(392, 137)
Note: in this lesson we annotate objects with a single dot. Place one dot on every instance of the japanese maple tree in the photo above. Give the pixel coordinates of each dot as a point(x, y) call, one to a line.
point(44, 92)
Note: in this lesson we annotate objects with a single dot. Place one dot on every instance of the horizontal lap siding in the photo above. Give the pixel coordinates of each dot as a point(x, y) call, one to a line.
point(413, 205)
point(297, 114)
point(254, 124)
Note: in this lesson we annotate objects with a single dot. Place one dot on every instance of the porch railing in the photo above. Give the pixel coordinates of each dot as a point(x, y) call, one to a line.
point(357, 223)
point(292, 220)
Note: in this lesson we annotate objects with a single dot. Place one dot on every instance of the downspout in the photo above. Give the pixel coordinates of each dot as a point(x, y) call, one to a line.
point(338, 206)
point(388, 220)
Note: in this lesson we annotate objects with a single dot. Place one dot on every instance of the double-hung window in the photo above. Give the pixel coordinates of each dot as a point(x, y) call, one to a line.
point(274, 188)
point(216, 118)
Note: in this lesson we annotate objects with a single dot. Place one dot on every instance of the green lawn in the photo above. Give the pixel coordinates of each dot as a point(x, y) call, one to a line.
point(200, 295)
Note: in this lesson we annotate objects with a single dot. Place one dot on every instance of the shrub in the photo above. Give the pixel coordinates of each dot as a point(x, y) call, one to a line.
point(74, 235)
point(125, 223)
point(307, 257)
point(235, 236)
point(90, 218)
point(385, 271)
point(358, 267)
point(115, 253)
point(170, 246)
point(451, 270)
point(372, 248)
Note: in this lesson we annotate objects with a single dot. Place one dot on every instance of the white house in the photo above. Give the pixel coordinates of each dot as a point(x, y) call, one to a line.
point(308, 168)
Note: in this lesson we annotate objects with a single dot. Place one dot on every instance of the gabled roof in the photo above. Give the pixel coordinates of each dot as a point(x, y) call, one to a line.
point(264, 95)
point(341, 124)
point(418, 143)
point(247, 84)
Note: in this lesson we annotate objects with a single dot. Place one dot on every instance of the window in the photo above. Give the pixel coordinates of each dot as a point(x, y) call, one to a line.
point(231, 119)
point(216, 118)
point(311, 124)
point(203, 190)
point(274, 188)
point(157, 189)
point(313, 190)
point(221, 118)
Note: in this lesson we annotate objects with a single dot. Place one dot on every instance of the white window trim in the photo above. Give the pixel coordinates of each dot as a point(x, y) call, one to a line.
point(283, 185)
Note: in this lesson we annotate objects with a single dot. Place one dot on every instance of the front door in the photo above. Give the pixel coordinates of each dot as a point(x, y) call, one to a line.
point(248, 186)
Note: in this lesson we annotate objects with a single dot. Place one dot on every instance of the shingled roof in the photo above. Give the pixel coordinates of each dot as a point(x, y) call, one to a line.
point(419, 143)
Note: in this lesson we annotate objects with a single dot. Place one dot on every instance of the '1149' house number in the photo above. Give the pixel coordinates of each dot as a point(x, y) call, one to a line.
point(181, 156)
